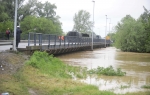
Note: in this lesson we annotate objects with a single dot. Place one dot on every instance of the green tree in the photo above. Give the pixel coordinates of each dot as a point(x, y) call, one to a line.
point(40, 13)
point(127, 35)
point(7, 9)
point(7, 14)
point(134, 35)
point(40, 16)
point(82, 22)
point(6, 24)
point(46, 10)
point(145, 19)
point(40, 25)
point(112, 37)
point(26, 9)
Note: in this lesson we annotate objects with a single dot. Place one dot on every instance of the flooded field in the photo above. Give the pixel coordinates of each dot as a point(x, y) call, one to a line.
point(136, 66)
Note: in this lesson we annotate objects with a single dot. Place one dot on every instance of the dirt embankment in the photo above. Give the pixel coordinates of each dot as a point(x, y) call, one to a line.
point(10, 62)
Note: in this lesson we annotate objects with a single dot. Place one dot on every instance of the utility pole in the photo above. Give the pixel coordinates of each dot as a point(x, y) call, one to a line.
point(15, 24)
point(93, 26)
point(109, 29)
point(105, 30)
point(109, 24)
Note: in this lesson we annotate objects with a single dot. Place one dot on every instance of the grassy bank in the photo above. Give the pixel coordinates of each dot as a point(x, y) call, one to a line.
point(31, 80)
point(47, 75)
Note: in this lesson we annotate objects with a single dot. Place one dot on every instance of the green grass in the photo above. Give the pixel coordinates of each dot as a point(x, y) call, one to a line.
point(109, 71)
point(54, 67)
point(137, 93)
point(14, 84)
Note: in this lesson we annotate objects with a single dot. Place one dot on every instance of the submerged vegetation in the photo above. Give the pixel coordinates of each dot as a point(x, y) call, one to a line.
point(146, 86)
point(107, 71)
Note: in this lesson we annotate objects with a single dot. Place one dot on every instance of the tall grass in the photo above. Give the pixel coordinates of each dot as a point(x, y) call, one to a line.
point(53, 66)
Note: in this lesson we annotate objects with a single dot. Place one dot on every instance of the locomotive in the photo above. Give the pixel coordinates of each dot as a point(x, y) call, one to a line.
point(74, 36)
point(77, 37)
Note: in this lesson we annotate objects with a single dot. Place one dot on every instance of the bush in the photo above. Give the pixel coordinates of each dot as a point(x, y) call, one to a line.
point(146, 86)
point(107, 71)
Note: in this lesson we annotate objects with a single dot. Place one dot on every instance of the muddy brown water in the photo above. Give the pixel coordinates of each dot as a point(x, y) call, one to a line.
point(136, 66)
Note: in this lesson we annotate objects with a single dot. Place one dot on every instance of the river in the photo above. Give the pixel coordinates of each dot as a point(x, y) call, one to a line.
point(136, 66)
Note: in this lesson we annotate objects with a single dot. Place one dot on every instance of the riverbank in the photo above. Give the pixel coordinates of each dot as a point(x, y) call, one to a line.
point(19, 78)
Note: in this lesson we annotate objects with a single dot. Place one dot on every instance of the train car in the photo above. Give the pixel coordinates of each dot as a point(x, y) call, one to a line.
point(98, 37)
point(73, 36)
point(94, 35)
point(85, 35)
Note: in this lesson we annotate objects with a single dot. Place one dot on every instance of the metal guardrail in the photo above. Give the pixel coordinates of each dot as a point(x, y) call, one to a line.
point(39, 39)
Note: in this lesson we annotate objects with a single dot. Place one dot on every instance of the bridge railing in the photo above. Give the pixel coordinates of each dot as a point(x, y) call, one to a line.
point(56, 41)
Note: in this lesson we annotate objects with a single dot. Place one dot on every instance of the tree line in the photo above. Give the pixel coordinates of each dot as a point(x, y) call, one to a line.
point(33, 16)
point(133, 35)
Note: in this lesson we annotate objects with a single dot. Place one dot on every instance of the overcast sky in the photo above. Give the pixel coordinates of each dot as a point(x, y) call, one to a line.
point(114, 9)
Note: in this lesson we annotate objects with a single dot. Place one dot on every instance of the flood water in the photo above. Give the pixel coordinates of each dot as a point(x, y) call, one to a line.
point(136, 66)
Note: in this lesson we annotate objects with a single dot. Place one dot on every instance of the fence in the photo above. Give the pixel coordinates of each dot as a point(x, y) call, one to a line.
point(3, 36)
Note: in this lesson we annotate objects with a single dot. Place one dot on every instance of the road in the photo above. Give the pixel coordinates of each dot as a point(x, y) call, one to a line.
point(7, 47)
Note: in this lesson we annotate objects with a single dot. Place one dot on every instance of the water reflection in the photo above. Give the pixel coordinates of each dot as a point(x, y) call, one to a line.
point(136, 65)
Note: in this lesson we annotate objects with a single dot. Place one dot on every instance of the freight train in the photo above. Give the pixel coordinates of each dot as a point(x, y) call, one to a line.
point(74, 36)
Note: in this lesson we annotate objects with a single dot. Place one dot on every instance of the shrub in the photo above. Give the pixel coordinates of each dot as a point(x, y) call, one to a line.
point(107, 71)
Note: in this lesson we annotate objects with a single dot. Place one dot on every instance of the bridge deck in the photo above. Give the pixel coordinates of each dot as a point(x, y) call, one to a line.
point(54, 45)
